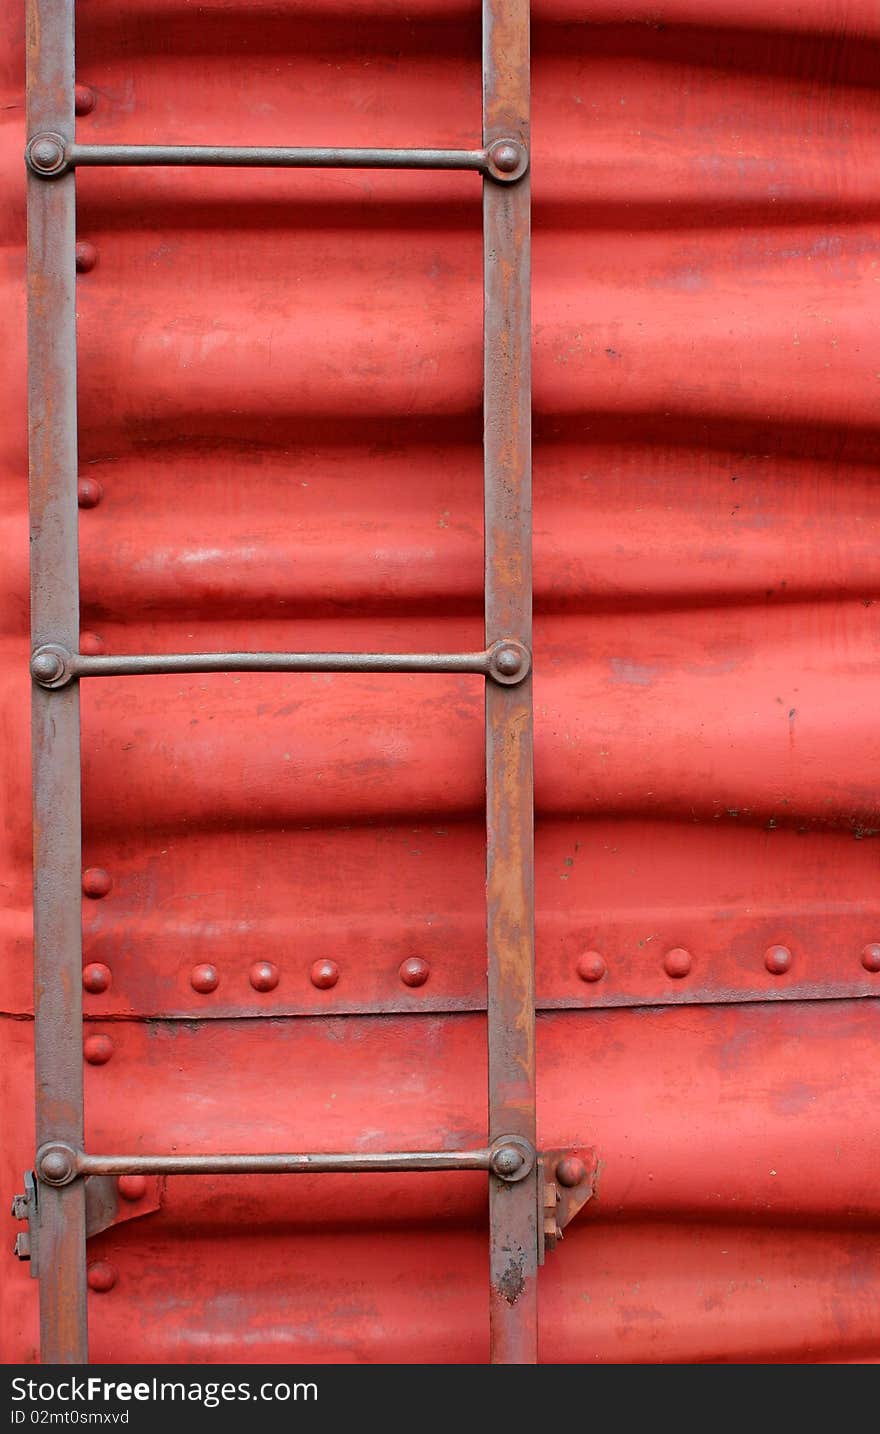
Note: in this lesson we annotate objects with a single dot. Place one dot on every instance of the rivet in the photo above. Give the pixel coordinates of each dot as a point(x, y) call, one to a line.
point(89, 492)
point(264, 976)
point(97, 978)
point(84, 99)
point(86, 256)
point(47, 666)
point(777, 959)
point(96, 882)
point(101, 1277)
point(506, 157)
point(204, 978)
point(132, 1187)
point(91, 645)
point(677, 962)
point(414, 971)
point(507, 1160)
point(46, 153)
point(97, 1050)
point(56, 1166)
point(570, 1171)
point(871, 956)
point(324, 974)
point(591, 966)
point(511, 1157)
point(509, 661)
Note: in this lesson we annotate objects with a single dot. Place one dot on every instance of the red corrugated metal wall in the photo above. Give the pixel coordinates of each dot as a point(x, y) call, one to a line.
point(280, 378)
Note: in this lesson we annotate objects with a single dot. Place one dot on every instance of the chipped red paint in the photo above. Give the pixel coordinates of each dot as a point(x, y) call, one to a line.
point(280, 449)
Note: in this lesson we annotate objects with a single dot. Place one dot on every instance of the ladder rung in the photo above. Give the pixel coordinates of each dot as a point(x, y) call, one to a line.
point(49, 155)
point(509, 1157)
point(52, 666)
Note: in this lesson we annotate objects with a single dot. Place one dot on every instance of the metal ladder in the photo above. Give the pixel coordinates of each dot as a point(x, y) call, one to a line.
point(55, 1202)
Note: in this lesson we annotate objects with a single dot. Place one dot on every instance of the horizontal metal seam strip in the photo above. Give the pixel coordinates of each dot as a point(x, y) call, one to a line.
point(549, 1006)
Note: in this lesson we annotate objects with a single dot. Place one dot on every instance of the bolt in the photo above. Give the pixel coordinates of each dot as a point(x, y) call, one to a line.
point(414, 971)
point(97, 1050)
point(508, 661)
point(84, 99)
point(132, 1187)
point(507, 1161)
point(89, 492)
point(47, 153)
point(570, 1171)
point(96, 882)
point(677, 962)
point(324, 974)
point(204, 978)
point(591, 966)
point(264, 976)
point(47, 667)
point(97, 978)
point(101, 1277)
point(56, 1166)
point(871, 957)
point(86, 256)
point(777, 959)
point(506, 156)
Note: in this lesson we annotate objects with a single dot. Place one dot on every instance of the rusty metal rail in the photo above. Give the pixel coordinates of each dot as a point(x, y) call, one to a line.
point(509, 1158)
point(507, 419)
point(52, 157)
point(53, 666)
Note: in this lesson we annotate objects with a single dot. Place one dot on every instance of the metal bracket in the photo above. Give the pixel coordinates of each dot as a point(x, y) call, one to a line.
point(26, 1207)
point(108, 1202)
point(567, 1179)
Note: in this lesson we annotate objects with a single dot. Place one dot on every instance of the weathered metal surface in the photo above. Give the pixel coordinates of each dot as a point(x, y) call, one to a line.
point(612, 902)
point(111, 1202)
point(510, 1159)
point(286, 457)
point(55, 724)
point(510, 875)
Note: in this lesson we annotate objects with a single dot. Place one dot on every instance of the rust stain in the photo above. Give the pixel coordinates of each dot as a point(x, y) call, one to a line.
point(512, 1282)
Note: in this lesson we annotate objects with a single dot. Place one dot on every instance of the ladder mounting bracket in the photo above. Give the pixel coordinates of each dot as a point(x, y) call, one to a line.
point(107, 1203)
point(567, 1179)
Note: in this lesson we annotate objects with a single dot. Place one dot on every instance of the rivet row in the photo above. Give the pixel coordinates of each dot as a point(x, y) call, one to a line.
point(678, 962)
point(324, 974)
point(591, 966)
point(263, 976)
